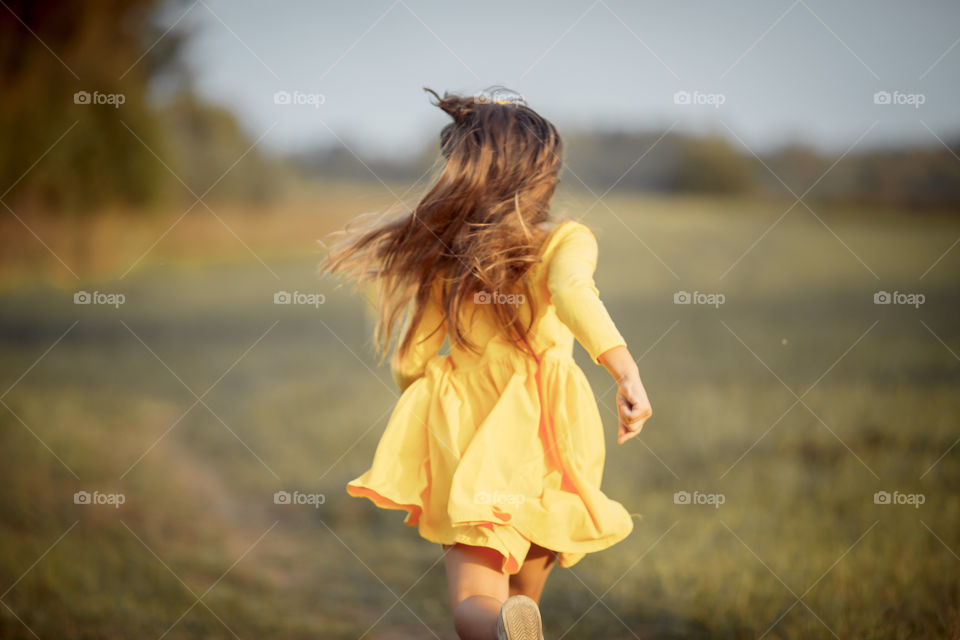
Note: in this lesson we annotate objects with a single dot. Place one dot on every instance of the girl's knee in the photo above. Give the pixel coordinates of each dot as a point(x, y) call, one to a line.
point(476, 617)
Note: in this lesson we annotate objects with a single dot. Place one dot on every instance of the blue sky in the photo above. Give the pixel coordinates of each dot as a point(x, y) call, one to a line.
point(758, 72)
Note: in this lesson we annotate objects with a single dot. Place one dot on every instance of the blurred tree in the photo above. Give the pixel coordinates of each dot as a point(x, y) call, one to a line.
point(207, 148)
point(906, 178)
point(912, 178)
point(798, 165)
point(710, 164)
point(629, 159)
point(62, 151)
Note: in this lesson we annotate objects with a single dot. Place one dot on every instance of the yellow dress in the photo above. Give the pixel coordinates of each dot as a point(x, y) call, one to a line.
point(499, 449)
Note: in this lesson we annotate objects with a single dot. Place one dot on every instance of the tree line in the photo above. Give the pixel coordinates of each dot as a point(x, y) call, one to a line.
point(82, 129)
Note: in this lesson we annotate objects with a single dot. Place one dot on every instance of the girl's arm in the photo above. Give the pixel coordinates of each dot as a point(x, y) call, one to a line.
point(578, 305)
point(574, 292)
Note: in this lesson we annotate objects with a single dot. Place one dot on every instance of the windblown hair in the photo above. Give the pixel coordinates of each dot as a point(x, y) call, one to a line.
point(478, 229)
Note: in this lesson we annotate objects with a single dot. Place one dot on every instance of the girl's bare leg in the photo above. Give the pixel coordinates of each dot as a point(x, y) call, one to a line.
point(477, 590)
point(531, 578)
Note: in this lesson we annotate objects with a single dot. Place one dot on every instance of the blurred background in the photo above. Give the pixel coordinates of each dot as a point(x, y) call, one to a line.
point(775, 188)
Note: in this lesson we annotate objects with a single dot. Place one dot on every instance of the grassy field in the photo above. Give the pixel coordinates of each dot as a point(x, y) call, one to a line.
point(198, 398)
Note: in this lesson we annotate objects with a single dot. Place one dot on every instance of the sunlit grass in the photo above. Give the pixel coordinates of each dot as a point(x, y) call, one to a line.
point(294, 401)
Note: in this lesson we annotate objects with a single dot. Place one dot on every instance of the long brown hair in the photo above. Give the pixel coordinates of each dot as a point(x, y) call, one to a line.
point(478, 229)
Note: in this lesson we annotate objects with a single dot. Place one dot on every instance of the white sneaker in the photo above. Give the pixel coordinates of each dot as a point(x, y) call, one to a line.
point(519, 620)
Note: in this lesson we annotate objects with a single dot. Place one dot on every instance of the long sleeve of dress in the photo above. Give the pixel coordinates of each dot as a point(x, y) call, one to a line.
point(413, 363)
point(575, 295)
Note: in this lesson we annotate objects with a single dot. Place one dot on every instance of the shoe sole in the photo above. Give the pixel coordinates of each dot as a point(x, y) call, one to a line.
point(520, 619)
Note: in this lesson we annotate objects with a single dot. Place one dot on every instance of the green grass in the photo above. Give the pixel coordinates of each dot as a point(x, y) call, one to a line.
point(303, 408)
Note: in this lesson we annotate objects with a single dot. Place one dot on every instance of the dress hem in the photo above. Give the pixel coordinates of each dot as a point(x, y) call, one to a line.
point(511, 564)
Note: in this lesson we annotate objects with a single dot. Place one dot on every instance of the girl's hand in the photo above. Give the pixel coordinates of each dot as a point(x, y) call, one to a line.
point(633, 407)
